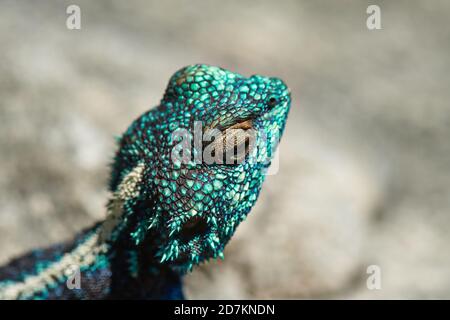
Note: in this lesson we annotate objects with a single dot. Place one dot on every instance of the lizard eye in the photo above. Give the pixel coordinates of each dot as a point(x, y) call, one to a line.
point(233, 145)
point(272, 102)
point(238, 145)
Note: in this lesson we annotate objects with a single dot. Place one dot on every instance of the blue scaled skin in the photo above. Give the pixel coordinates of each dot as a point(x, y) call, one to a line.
point(186, 174)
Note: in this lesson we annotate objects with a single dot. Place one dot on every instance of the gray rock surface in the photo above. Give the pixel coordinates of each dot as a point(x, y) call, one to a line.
point(364, 165)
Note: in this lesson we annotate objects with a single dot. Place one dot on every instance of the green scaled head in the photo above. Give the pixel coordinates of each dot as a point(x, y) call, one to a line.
point(202, 155)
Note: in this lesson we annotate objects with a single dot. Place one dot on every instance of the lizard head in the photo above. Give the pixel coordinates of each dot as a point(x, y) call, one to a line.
point(203, 153)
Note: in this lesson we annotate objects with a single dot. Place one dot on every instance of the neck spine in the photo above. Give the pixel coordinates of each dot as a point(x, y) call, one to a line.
point(116, 230)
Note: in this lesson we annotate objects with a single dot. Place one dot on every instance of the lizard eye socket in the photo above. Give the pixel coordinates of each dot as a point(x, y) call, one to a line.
point(272, 102)
point(233, 145)
point(238, 144)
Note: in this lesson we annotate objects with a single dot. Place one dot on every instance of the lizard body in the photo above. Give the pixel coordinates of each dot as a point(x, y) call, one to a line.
point(171, 207)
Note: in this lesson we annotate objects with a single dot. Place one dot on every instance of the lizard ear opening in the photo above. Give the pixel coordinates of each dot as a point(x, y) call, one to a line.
point(195, 226)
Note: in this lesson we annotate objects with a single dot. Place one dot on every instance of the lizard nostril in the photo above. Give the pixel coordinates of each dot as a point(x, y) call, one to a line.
point(193, 227)
point(272, 102)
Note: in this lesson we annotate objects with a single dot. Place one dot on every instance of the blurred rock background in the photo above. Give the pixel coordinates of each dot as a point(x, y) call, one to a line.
point(364, 164)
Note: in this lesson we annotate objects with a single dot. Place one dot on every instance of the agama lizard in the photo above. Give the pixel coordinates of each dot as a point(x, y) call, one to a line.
point(170, 206)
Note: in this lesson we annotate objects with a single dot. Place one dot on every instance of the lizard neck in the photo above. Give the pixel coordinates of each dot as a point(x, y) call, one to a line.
point(133, 264)
point(135, 272)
